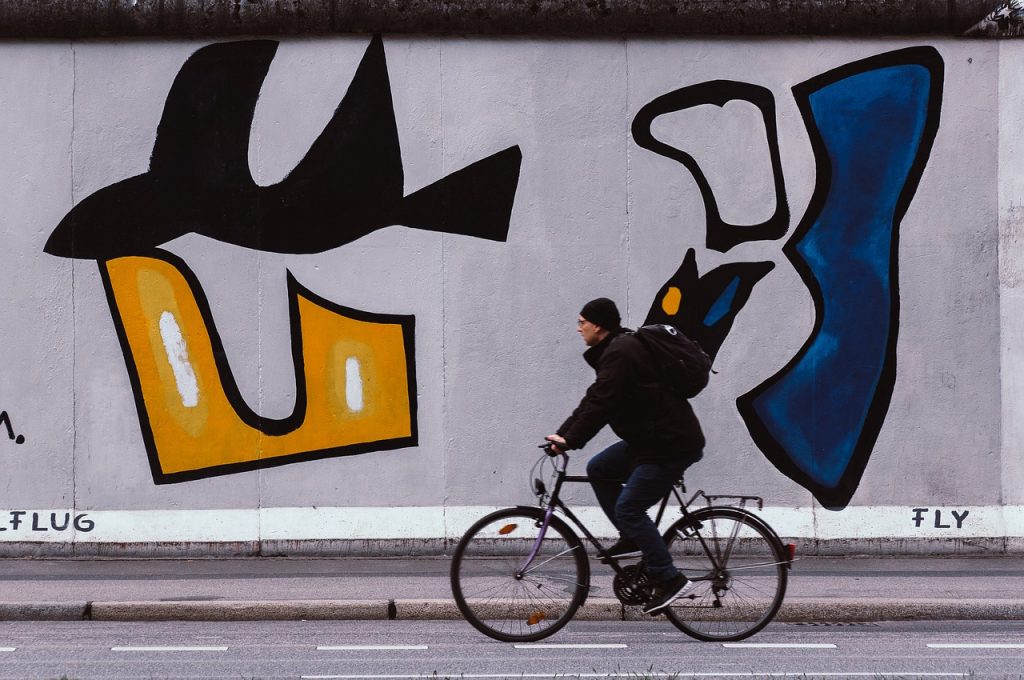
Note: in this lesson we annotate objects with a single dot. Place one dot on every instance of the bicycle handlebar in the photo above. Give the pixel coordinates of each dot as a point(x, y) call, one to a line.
point(550, 449)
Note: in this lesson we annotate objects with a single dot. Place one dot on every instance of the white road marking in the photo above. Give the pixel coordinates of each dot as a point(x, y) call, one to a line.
point(541, 645)
point(168, 649)
point(780, 645)
point(977, 645)
point(336, 648)
point(7, 649)
point(646, 674)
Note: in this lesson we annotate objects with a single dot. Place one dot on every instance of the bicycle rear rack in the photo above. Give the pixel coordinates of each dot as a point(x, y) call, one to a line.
point(738, 501)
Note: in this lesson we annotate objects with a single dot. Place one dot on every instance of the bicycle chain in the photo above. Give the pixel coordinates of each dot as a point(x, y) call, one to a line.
point(632, 587)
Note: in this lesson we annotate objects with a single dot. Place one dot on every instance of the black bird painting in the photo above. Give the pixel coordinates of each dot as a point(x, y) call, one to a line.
point(349, 184)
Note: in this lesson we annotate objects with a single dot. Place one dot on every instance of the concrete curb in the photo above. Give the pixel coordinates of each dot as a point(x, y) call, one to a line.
point(796, 610)
point(44, 611)
point(236, 610)
point(854, 610)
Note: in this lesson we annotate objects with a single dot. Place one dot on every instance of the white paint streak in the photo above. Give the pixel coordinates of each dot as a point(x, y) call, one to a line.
point(353, 385)
point(7, 649)
point(177, 355)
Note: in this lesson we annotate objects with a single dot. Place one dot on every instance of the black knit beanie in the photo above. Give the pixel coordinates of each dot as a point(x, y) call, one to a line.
point(602, 312)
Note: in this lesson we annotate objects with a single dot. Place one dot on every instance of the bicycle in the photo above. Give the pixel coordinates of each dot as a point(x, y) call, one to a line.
point(520, 574)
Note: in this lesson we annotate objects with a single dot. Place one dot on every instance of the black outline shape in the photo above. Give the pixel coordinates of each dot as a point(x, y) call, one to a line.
point(349, 184)
point(838, 497)
point(5, 419)
point(721, 235)
point(700, 293)
point(269, 426)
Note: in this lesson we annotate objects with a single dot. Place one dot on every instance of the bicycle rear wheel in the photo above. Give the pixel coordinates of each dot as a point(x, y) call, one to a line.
point(504, 596)
point(740, 569)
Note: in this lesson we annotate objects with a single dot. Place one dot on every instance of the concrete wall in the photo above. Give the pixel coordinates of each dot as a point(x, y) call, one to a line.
point(321, 359)
point(119, 18)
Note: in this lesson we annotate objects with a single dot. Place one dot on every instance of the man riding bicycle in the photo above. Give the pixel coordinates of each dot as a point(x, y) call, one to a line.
point(661, 437)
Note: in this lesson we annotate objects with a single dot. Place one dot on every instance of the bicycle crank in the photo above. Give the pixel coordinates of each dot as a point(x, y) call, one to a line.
point(632, 586)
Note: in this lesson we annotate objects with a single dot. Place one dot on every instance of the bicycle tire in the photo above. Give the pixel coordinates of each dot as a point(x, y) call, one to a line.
point(530, 607)
point(742, 596)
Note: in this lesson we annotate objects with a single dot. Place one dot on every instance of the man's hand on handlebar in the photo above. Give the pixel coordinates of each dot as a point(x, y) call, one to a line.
point(556, 445)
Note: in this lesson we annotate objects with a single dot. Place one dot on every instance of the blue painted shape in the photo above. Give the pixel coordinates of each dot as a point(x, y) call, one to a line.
point(871, 127)
point(723, 304)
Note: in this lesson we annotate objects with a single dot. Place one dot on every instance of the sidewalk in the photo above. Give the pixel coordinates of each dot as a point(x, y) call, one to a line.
point(821, 590)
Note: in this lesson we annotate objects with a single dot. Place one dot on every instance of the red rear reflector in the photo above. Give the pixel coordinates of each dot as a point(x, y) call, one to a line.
point(535, 618)
point(508, 529)
point(791, 550)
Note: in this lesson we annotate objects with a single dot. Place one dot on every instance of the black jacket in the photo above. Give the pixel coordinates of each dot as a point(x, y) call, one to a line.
point(658, 426)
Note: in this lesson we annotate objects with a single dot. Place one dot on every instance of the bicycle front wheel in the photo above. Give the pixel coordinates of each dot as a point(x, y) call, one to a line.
point(507, 595)
point(740, 569)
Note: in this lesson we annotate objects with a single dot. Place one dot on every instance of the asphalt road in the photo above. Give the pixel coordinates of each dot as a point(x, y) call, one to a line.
point(451, 649)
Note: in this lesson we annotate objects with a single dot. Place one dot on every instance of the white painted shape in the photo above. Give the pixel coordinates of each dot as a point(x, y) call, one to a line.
point(121, 526)
point(177, 356)
point(898, 522)
point(7, 649)
point(339, 648)
point(353, 385)
point(168, 649)
point(458, 519)
point(435, 522)
point(42, 517)
point(351, 523)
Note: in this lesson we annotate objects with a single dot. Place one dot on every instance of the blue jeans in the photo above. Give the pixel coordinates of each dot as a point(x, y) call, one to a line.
point(626, 505)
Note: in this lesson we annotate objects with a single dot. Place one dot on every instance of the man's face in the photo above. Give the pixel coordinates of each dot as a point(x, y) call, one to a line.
point(589, 331)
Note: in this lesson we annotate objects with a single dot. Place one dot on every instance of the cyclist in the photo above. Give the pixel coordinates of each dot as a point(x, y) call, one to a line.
point(661, 437)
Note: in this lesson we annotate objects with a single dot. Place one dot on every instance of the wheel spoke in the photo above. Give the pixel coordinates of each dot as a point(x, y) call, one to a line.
point(727, 605)
point(554, 557)
point(539, 601)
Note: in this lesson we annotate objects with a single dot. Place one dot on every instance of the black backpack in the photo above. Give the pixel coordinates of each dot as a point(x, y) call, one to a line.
point(683, 367)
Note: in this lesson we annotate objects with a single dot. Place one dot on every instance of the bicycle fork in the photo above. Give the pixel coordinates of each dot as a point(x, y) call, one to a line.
point(524, 568)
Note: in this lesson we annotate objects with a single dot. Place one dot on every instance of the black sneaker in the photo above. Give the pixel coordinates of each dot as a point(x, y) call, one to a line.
point(622, 549)
point(667, 593)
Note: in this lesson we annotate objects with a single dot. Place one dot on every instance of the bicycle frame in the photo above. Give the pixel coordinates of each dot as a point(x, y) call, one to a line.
point(555, 503)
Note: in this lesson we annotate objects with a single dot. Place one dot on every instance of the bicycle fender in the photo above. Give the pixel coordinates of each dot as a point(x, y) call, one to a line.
point(696, 514)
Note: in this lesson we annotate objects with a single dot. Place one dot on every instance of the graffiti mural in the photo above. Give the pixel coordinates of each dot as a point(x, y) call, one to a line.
point(355, 370)
point(721, 236)
point(712, 301)
point(871, 125)
point(1005, 21)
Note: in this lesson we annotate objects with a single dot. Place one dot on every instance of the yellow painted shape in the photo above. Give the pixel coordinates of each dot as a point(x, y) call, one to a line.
point(210, 432)
point(670, 301)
